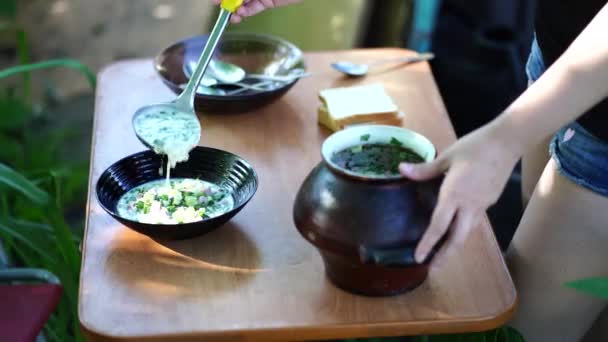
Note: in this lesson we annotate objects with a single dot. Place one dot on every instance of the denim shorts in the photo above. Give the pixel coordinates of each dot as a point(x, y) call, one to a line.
point(578, 154)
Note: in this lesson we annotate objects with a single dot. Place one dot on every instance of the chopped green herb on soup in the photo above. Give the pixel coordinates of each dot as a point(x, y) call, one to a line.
point(183, 201)
point(375, 159)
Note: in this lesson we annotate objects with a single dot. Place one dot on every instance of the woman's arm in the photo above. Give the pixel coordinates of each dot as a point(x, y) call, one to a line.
point(572, 85)
point(479, 164)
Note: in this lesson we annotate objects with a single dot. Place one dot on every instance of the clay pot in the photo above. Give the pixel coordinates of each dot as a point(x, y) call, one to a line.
point(366, 228)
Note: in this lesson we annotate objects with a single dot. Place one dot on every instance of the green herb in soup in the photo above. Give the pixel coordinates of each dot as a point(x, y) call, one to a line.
point(169, 132)
point(182, 201)
point(374, 158)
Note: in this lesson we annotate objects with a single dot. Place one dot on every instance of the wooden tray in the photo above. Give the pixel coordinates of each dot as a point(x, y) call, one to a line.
point(256, 278)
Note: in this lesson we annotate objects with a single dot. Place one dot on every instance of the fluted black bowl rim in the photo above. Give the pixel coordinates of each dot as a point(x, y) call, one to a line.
point(217, 220)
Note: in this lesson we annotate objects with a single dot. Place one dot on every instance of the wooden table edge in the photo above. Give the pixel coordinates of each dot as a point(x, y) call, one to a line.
point(306, 333)
point(391, 329)
point(90, 186)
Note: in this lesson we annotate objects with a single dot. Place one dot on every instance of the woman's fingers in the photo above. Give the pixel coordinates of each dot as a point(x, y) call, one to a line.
point(423, 171)
point(236, 17)
point(440, 222)
point(251, 8)
point(464, 221)
point(444, 211)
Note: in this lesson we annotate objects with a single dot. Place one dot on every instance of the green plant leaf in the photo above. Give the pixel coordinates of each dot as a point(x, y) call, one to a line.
point(65, 243)
point(40, 237)
point(14, 113)
point(22, 207)
point(36, 227)
point(494, 335)
point(56, 176)
point(594, 286)
point(49, 330)
point(30, 227)
point(16, 181)
point(24, 58)
point(26, 240)
point(46, 156)
point(11, 150)
point(75, 185)
point(422, 338)
point(52, 63)
point(502, 334)
point(8, 8)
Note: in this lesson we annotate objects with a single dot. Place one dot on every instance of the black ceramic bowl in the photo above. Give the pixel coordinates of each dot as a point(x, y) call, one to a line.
point(216, 166)
point(255, 53)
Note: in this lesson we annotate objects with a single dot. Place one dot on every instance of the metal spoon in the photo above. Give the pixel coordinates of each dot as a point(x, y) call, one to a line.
point(217, 72)
point(220, 72)
point(353, 69)
point(184, 103)
point(210, 86)
point(205, 90)
point(226, 72)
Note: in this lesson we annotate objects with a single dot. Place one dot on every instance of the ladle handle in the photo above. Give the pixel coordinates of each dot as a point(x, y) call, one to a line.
point(186, 98)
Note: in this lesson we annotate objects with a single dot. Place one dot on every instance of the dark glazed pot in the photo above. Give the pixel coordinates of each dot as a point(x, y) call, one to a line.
point(366, 228)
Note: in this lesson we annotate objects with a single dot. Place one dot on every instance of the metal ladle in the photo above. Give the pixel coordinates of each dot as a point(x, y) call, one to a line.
point(184, 103)
point(353, 69)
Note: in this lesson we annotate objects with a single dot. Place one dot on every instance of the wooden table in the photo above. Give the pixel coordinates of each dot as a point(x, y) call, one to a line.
point(256, 278)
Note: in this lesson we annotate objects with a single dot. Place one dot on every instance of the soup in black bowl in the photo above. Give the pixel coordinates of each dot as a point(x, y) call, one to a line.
point(206, 192)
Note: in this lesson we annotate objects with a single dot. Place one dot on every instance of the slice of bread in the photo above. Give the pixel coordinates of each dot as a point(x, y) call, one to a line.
point(396, 121)
point(327, 120)
point(341, 107)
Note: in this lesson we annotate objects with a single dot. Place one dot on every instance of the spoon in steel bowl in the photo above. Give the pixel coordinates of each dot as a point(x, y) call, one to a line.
point(356, 70)
point(181, 111)
point(209, 85)
point(241, 87)
point(225, 72)
point(217, 72)
point(220, 72)
point(212, 90)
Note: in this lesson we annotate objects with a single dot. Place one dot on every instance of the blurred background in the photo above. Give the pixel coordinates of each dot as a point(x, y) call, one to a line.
point(46, 113)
